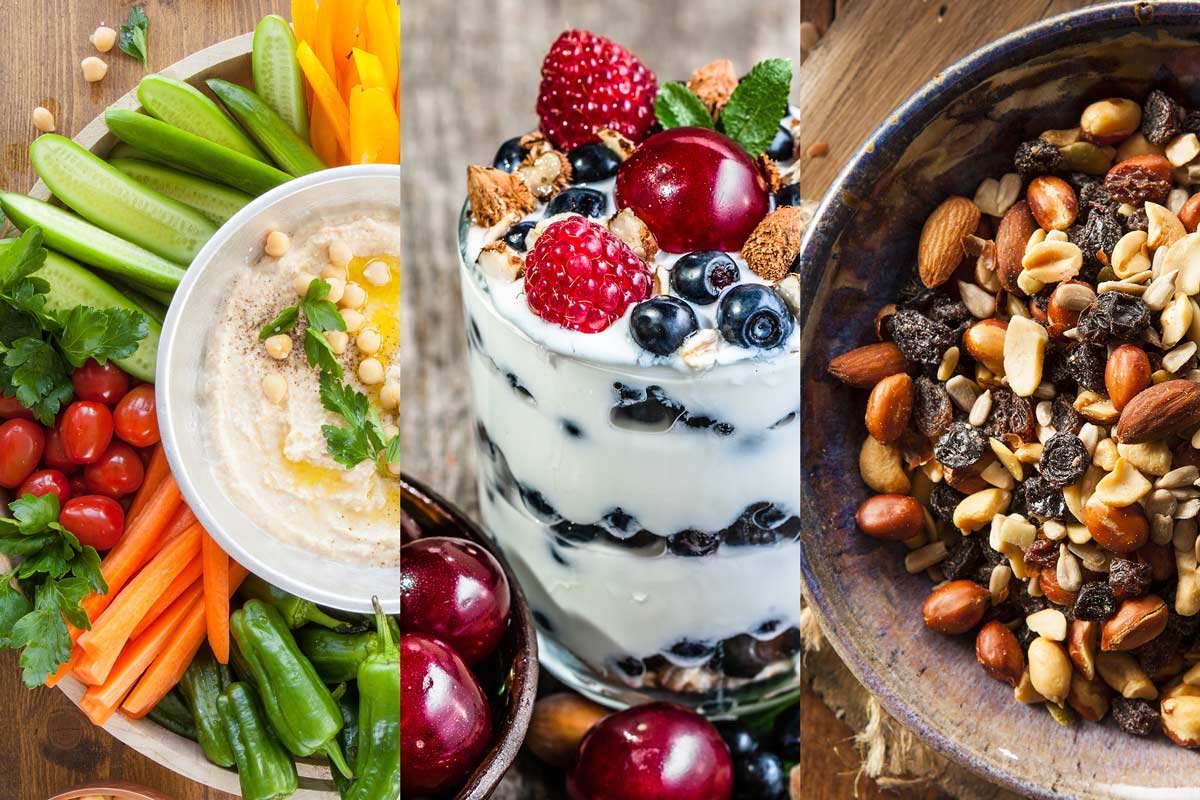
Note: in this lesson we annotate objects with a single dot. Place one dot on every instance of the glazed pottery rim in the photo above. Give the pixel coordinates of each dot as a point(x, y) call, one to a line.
point(835, 211)
point(524, 670)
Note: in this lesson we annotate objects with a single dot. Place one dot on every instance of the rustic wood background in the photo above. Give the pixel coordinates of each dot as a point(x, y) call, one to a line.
point(47, 745)
point(872, 54)
point(470, 81)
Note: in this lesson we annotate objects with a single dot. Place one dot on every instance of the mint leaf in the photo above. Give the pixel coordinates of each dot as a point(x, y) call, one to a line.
point(282, 324)
point(132, 40)
point(21, 258)
point(320, 353)
point(317, 290)
point(758, 105)
point(677, 106)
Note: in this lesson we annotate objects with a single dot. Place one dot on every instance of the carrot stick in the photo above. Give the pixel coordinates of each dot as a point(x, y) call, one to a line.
point(181, 584)
point(103, 643)
point(183, 519)
point(172, 662)
point(156, 471)
point(216, 596)
point(99, 702)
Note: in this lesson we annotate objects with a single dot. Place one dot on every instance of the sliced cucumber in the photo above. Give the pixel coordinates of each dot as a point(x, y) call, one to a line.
point(153, 308)
point(81, 240)
point(214, 200)
point(72, 284)
point(278, 79)
point(187, 108)
point(110, 199)
point(268, 128)
point(192, 153)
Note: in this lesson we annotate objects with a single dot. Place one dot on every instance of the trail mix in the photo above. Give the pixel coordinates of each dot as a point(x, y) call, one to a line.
point(1034, 419)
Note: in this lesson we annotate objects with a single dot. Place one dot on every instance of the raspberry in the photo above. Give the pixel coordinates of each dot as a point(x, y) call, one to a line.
point(590, 82)
point(580, 276)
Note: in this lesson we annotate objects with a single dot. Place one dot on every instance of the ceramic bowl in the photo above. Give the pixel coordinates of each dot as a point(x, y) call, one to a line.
point(515, 665)
point(119, 790)
point(959, 128)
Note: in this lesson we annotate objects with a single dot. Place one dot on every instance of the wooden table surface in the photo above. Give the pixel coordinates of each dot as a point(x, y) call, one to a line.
point(870, 58)
point(47, 744)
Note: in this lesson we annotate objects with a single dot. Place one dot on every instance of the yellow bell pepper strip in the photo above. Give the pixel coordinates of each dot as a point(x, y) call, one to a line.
point(374, 129)
point(324, 140)
point(347, 14)
point(369, 70)
point(326, 94)
point(322, 36)
point(304, 18)
point(381, 41)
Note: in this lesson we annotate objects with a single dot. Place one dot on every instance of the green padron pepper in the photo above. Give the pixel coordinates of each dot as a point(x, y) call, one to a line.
point(173, 714)
point(297, 703)
point(265, 769)
point(201, 685)
point(337, 656)
point(295, 611)
point(348, 738)
point(377, 763)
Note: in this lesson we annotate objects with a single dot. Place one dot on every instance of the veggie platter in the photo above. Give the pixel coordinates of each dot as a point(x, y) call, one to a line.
point(110, 587)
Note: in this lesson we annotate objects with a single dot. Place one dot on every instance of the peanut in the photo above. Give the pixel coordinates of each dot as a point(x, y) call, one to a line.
point(955, 607)
point(893, 517)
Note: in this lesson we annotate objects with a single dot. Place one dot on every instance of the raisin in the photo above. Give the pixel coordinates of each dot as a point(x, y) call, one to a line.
point(1113, 315)
point(1025, 636)
point(1042, 553)
point(1037, 157)
point(1135, 716)
point(949, 312)
point(1056, 369)
point(1064, 460)
point(965, 557)
point(943, 499)
point(922, 340)
point(961, 446)
point(1160, 118)
point(1017, 504)
point(1093, 195)
point(1095, 602)
point(1043, 499)
point(1138, 221)
point(1078, 180)
point(1086, 365)
point(915, 295)
point(1100, 234)
point(1157, 653)
point(1063, 416)
point(1024, 601)
point(1128, 578)
point(932, 409)
point(1010, 414)
point(1191, 122)
point(1188, 626)
point(1041, 300)
point(1135, 184)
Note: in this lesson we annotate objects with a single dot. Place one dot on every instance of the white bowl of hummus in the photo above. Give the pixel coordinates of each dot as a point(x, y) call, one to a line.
point(242, 422)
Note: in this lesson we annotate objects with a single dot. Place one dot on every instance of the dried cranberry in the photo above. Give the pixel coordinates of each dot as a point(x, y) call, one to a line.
point(1095, 602)
point(961, 446)
point(932, 409)
point(1135, 184)
point(1063, 416)
point(1010, 413)
point(1042, 499)
point(964, 558)
point(1135, 716)
point(1128, 578)
point(1113, 315)
point(943, 499)
point(1160, 118)
point(1042, 553)
point(1064, 460)
point(922, 340)
point(1086, 364)
point(1037, 157)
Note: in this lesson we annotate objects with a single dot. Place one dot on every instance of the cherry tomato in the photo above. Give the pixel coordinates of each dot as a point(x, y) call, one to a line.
point(22, 443)
point(47, 481)
point(100, 383)
point(11, 408)
point(118, 472)
point(79, 486)
point(136, 416)
point(86, 428)
point(95, 520)
point(55, 456)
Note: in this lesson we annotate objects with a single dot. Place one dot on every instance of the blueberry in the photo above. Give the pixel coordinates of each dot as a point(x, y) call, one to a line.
point(738, 737)
point(700, 276)
point(693, 543)
point(661, 323)
point(515, 236)
point(510, 155)
point(760, 776)
point(741, 658)
point(753, 316)
point(782, 146)
point(787, 734)
point(578, 200)
point(788, 195)
point(592, 162)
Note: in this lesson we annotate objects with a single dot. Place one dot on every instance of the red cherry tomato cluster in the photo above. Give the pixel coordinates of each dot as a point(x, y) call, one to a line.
point(90, 457)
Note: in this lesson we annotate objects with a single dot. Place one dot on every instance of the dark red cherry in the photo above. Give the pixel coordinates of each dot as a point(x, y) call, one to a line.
point(445, 722)
point(456, 591)
point(695, 189)
point(658, 751)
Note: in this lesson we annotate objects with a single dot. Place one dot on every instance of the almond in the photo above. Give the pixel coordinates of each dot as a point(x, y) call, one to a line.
point(985, 342)
point(999, 653)
point(867, 365)
point(889, 407)
point(1189, 215)
point(1158, 411)
point(1012, 236)
point(955, 607)
point(1137, 621)
point(1121, 529)
point(1082, 642)
point(1126, 373)
point(892, 517)
point(940, 250)
point(1052, 202)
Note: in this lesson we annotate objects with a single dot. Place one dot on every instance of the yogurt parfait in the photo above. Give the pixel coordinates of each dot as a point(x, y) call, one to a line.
point(629, 296)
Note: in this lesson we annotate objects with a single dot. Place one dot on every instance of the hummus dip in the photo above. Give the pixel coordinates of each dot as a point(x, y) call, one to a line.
point(270, 452)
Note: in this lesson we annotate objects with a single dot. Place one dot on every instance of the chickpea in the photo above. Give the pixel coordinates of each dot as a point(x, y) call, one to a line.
point(337, 288)
point(389, 396)
point(377, 273)
point(279, 346)
point(103, 38)
point(394, 468)
point(94, 69)
point(354, 296)
point(389, 431)
point(370, 371)
point(278, 243)
point(340, 253)
point(354, 320)
point(338, 341)
point(275, 387)
point(331, 271)
point(368, 341)
point(301, 282)
point(43, 120)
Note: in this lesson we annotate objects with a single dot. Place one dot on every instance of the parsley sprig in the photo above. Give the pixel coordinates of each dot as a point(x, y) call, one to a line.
point(134, 30)
point(43, 591)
